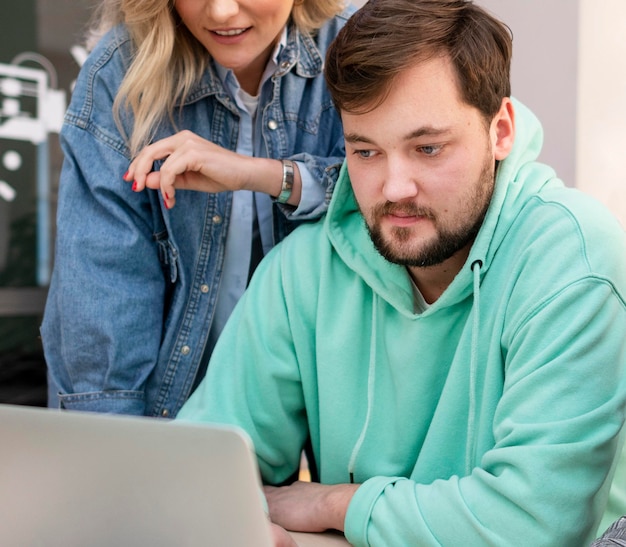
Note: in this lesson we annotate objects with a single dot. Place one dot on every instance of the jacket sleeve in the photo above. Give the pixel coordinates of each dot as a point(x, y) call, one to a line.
point(556, 433)
point(104, 315)
point(319, 176)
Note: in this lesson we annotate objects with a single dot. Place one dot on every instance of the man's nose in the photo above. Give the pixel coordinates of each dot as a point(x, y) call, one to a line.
point(400, 182)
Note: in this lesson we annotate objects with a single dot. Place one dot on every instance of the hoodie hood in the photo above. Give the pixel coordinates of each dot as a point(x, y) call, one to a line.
point(519, 177)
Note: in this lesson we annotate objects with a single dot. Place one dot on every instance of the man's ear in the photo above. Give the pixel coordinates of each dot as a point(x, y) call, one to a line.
point(502, 129)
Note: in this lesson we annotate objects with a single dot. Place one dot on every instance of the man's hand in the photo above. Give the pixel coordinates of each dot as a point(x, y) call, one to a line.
point(308, 506)
point(281, 537)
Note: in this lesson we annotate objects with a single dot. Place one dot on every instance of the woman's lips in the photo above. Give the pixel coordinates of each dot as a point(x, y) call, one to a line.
point(229, 36)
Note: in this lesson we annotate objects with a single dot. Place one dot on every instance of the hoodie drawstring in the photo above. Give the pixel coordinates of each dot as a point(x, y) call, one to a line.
point(371, 377)
point(470, 450)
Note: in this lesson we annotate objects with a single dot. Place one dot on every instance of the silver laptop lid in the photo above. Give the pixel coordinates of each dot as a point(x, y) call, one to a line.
point(83, 479)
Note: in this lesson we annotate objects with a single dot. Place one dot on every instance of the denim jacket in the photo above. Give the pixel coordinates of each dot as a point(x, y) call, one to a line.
point(134, 285)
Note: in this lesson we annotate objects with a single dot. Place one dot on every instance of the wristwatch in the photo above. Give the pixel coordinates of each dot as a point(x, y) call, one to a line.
point(285, 191)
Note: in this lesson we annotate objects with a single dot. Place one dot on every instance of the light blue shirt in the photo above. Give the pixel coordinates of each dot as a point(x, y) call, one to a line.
point(246, 204)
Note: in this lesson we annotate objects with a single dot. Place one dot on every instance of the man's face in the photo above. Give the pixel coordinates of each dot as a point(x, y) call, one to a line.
point(422, 167)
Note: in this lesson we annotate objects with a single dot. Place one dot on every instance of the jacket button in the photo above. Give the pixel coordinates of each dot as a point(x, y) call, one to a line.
point(165, 413)
point(204, 288)
point(284, 64)
point(185, 350)
point(272, 124)
point(217, 219)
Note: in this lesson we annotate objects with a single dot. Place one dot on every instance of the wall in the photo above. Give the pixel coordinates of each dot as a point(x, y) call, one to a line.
point(544, 71)
point(601, 131)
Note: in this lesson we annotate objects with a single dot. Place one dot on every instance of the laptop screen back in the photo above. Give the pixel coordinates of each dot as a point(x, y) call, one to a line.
point(78, 479)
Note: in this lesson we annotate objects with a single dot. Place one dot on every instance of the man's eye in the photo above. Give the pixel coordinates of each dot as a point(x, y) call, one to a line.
point(364, 153)
point(430, 150)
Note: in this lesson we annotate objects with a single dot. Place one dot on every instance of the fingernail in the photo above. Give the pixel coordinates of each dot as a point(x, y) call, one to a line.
point(125, 175)
point(167, 196)
point(134, 186)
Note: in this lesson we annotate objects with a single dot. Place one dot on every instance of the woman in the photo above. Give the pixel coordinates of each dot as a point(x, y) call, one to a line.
point(232, 96)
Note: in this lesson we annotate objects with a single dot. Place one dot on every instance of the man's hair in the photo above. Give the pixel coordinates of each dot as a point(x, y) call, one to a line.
point(386, 37)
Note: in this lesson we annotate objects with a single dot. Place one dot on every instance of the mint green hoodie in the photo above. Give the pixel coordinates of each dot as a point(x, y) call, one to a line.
point(492, 418)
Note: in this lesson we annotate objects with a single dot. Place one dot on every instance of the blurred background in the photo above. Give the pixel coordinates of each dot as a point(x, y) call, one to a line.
point(568, 67)
point(37, 69)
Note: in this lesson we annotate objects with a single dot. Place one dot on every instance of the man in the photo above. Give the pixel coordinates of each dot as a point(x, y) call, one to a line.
point(451, 337)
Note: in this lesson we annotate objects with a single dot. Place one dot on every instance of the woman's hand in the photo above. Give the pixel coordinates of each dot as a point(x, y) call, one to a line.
point(193, 163)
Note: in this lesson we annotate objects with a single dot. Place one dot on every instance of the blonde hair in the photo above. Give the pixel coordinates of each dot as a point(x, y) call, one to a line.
point(167, 59)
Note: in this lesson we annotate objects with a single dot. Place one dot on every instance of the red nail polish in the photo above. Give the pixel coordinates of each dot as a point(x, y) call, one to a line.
point(134, 186)
point(167, 196)
point(125, 175)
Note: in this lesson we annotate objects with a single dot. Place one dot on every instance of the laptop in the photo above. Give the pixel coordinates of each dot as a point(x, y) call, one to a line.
point(84, 479)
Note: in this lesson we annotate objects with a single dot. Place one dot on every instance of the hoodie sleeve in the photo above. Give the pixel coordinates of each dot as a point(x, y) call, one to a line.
point(253, 379)
point(556, 434)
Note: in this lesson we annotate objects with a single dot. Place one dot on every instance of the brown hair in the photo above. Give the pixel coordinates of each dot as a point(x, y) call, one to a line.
point(385, 37)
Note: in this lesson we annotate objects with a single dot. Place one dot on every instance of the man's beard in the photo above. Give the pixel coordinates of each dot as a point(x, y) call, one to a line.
point(449, 239)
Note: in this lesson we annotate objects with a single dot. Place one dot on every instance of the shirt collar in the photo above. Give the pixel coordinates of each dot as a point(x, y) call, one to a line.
point(229, 80)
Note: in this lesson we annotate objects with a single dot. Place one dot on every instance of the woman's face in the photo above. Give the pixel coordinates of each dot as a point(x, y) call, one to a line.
point(238, 34)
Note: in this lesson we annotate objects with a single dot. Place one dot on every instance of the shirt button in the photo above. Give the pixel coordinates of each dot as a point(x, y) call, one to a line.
point(284, 64)
point(165, 413)
point(217, 219)
point(272, 124)
point(204, 288)
point(185, 350)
